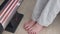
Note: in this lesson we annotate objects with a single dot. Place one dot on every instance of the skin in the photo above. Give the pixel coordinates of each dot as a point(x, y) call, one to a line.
point(29, 24)
point(32, 27)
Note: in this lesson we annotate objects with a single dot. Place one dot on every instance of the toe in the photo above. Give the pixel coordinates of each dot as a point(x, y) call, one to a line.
point(25, 25)
point(34, 33)
point(27, 28)
point(29, 32)
point(30, 29)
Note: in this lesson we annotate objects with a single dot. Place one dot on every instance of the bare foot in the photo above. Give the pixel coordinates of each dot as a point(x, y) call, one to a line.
point(29, 24)
point(35, 29)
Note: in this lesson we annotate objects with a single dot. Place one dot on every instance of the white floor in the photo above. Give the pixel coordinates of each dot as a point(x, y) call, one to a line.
point(26, 9)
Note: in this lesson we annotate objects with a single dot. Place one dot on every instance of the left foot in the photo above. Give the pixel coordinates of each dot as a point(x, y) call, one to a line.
point(29, 24)
point(35, 29)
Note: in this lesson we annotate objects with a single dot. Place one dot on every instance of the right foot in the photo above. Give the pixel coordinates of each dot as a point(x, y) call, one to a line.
point(35, 29)
point(29, 24)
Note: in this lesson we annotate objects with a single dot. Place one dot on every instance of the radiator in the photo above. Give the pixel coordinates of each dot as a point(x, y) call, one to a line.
point(7, 9)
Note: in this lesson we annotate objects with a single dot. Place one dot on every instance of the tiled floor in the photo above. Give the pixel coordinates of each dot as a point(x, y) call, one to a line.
point(26, 9)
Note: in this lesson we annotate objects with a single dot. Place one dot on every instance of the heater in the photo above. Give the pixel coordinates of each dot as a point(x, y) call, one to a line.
point(8, 12)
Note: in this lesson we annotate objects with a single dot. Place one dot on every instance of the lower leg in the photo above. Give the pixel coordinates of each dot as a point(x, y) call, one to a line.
point(36, 13)
point(45, 20)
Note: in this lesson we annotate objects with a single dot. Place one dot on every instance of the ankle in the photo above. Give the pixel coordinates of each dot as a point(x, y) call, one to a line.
point(32, 21)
